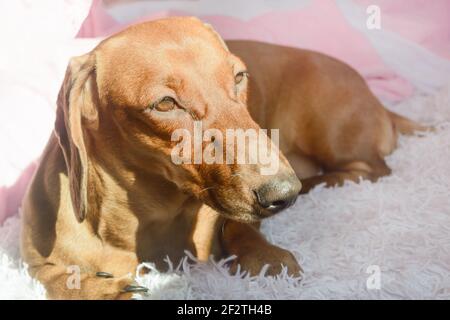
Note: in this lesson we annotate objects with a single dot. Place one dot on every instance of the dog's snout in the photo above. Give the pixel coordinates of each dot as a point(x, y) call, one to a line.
point(277, 195)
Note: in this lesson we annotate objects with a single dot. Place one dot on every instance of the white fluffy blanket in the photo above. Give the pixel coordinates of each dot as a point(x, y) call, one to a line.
point(400, 225)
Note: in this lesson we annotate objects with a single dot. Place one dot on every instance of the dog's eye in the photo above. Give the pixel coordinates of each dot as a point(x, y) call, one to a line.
point(165, 104)
point(240, 76)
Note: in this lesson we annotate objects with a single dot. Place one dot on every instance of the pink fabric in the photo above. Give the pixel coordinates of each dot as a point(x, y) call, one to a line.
point(425, 22)
point(98, 22)
point(330, 34)
point(37, 38)
point(11, 197)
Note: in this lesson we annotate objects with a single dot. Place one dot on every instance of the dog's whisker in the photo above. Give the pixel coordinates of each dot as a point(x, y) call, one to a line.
point(208, 188)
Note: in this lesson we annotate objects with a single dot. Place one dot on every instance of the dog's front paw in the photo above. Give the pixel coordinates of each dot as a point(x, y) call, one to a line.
point(122, 288)
point(275, 257)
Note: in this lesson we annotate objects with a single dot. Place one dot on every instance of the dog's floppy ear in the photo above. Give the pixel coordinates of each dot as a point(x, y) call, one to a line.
point(76, 112)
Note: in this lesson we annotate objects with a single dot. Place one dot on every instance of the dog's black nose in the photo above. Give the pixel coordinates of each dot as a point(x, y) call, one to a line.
point(277, 195)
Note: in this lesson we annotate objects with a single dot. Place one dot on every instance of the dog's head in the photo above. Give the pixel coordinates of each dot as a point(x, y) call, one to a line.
point(171, 99)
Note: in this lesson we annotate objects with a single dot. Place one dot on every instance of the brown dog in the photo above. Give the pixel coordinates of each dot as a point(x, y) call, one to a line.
point(107, 194)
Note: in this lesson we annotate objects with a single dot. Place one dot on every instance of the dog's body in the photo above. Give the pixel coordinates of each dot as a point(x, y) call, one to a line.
point(332, 127)
point(100, 202)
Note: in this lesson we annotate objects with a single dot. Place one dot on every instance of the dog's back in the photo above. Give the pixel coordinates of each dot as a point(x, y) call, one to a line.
point(328, 118)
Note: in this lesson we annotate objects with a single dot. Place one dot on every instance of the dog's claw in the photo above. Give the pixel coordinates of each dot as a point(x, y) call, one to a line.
point(104, 275)
point(131, 288)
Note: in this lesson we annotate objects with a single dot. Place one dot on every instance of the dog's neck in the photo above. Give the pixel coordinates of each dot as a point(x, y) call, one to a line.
point(139, 204)
point(148, 196)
